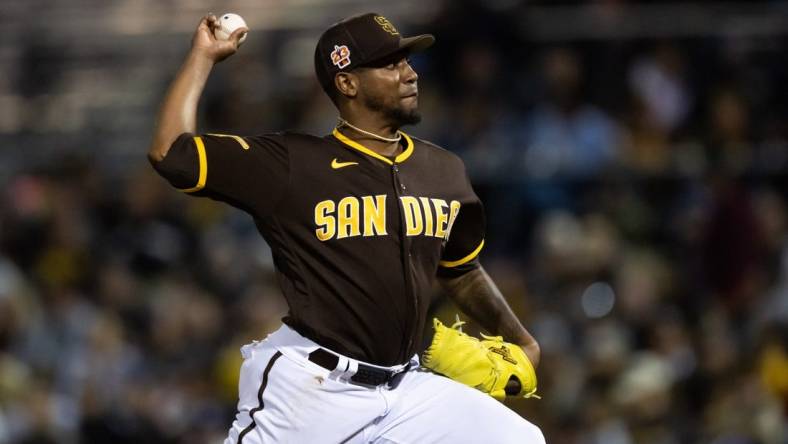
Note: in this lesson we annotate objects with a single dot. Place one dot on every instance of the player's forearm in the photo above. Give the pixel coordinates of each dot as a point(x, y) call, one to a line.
point(178, 112)
point(478, 297)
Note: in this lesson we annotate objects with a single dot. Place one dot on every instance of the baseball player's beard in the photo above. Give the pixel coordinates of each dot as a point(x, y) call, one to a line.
point(396, 115)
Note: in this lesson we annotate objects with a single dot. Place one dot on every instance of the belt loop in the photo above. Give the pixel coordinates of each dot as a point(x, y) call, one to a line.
point(397, 378)
point(342, 365)
point(352, 368)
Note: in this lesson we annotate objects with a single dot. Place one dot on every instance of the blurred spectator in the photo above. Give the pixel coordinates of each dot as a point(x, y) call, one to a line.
point(657, 79)
point(566, 135)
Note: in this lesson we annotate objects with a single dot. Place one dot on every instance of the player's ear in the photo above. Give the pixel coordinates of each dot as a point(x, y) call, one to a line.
point(346, 83)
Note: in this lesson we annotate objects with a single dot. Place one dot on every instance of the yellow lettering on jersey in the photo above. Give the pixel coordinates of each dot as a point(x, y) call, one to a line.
point(441, 217)
point(325, 221)
point(455, 210)
point(374, 215)
point(414, 225)
point(425, 204)
point(344, 218)
point(347, 214)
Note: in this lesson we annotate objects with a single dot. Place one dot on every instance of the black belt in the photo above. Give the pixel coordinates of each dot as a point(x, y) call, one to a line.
point(366, 375)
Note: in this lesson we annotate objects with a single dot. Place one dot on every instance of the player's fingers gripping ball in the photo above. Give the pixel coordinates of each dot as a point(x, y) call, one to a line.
point(486, 365)
point(227, 24)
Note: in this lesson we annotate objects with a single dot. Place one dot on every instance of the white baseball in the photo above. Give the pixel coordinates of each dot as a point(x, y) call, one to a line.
point(227, 24)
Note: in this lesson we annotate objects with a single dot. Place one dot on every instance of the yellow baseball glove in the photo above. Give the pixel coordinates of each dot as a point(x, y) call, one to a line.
point(487, 365)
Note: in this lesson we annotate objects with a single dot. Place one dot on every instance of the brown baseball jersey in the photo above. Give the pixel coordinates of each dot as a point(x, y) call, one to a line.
point(357, 238)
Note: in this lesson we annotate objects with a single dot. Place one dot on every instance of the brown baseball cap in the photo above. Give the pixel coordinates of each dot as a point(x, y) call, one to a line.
point(358, 41)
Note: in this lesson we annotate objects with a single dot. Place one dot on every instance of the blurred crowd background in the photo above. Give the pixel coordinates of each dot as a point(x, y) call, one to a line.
point(632, 158)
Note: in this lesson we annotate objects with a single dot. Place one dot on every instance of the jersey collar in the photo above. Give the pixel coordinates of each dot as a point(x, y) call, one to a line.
point(355, 145)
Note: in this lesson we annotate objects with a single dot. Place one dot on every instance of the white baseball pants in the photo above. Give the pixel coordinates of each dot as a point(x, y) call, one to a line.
point(285, 398)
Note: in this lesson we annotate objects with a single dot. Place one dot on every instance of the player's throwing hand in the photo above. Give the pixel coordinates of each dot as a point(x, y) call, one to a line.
point(206, 44)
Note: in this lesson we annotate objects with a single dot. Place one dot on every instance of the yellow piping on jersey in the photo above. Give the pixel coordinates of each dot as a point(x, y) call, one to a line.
point(468, 258)
point(353, 144)
point(238, 139)
point(203, 166)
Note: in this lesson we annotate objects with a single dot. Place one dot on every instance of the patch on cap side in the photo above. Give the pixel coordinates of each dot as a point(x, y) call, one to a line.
point(340, 56)
point(386, 25)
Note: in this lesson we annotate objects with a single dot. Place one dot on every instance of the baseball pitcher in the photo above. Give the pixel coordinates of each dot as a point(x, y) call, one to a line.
point(361, 222)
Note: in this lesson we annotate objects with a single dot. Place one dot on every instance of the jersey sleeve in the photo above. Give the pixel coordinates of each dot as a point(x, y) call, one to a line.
point(466, 236)
point(250, 173)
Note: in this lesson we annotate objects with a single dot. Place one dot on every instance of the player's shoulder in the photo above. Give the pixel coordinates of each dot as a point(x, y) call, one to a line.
point(434, 152)
point(289, 140)
point(302, 137)
point(287, 136)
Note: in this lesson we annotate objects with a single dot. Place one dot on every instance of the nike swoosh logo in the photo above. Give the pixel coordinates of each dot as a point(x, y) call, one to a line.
point(337, 165)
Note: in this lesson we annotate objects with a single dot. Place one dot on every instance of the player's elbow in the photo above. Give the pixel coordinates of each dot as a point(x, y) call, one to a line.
point(158, 149)
point(178, 163)
point(155, 156)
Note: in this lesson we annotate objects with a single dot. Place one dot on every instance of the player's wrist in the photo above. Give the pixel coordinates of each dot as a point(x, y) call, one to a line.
point(199, 65)
point(201, 57)
point(532, 351)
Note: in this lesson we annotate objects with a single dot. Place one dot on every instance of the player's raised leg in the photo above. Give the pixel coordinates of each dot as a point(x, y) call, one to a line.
point(428, 408)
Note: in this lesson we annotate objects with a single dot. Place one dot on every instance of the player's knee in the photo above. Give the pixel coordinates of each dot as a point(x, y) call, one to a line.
point(526, 433)
point(537, 437)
